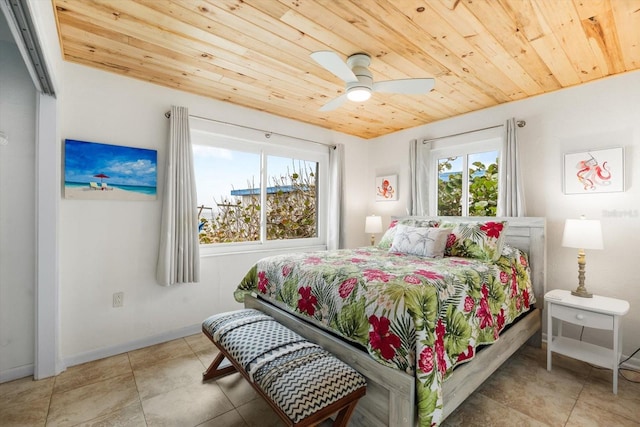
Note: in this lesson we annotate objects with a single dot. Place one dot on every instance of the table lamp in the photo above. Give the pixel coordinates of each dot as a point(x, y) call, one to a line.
point(373, 225)
point(582, 234)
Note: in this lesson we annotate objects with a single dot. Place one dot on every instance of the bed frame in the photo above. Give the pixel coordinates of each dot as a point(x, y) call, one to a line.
point(390, 398)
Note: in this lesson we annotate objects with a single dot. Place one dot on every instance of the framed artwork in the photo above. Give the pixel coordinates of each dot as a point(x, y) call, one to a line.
point(594, 171)
point(387, 188)
point(109, 172)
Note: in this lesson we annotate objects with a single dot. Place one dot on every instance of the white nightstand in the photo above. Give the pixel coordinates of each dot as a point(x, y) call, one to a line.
point(597, 312)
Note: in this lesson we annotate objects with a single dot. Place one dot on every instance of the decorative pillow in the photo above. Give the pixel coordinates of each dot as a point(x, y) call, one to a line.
point(387, 237)
point(420, 241)
point(481, 240)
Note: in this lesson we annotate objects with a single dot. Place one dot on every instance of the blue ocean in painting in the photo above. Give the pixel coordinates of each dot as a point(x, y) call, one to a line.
point(134, 188)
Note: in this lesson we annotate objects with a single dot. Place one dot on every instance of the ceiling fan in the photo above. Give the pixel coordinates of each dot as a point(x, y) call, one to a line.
point(359, 81)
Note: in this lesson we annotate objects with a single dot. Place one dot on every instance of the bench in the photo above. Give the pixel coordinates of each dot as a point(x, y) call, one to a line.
point(300, 380)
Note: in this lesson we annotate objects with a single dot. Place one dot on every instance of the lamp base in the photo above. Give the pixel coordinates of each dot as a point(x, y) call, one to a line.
point(581, 290)
point(582, 293)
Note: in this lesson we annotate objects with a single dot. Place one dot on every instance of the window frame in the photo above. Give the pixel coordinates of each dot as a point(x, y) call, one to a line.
point(463, 147)
point(214, 134)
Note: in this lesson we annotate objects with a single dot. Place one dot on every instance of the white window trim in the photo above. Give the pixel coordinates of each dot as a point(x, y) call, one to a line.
point(462, 147)
point(272, 145)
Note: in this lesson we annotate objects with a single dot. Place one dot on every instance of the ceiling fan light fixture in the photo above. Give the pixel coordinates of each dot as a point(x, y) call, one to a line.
point(358, 94)
point(359, 82)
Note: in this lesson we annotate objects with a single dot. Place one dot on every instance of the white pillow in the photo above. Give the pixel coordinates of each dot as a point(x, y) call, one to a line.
point(420, 241)
point(387, 237)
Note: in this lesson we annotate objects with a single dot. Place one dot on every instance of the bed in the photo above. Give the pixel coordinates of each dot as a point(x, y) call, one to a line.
point(425, 318)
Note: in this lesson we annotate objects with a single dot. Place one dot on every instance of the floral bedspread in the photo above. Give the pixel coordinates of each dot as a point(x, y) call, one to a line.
point(421, 315)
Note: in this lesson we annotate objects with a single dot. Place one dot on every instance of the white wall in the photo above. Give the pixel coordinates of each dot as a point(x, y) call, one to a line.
point(17, 211)
point(111, 246)
point(602, 114)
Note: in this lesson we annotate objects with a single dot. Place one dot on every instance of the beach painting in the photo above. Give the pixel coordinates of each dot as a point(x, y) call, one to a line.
point(109, 172)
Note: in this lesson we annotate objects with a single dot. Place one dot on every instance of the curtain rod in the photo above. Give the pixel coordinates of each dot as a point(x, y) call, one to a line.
point(519, 123)
point(267, 133)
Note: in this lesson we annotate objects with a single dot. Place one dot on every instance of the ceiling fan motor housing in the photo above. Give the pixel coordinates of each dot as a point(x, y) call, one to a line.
point(358, 64)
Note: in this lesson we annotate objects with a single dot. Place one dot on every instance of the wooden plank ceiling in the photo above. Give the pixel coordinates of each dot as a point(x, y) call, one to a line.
point(255, 53)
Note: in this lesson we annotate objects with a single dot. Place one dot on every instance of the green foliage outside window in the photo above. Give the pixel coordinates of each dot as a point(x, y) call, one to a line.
point(483, 189)
point(291, 212)
point(449, 191)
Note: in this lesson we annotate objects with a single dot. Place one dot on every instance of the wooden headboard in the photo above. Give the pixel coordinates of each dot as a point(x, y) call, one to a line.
point(525, 233)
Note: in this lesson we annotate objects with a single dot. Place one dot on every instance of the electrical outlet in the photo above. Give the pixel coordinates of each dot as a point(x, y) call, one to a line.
point(118, 299)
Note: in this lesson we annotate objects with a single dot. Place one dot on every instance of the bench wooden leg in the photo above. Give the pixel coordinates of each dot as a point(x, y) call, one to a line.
point(342, 419)
point(213, 371)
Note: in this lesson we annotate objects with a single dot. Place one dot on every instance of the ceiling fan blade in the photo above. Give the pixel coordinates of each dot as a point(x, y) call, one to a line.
point(405, 86)
point(334, 103)
point(332, 62)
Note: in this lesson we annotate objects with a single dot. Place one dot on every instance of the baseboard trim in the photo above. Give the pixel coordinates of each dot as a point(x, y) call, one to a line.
point(631, 364)
point(16, 373)
point(90, 356)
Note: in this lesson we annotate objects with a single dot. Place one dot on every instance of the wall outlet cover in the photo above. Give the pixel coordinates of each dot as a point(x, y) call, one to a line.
point(118, 299)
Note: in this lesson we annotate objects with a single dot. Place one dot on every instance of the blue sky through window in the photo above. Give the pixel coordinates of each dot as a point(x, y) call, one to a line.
point(486, 158)
point(220, 170)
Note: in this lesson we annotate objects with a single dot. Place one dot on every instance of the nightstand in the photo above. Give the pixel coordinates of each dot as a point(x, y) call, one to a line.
point(597, 312)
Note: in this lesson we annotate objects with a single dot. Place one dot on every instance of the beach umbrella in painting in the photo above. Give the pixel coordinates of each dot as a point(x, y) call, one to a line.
point(101, 176)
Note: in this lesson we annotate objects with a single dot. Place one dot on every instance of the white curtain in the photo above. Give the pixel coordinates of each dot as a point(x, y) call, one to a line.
point(179, 253)
point(419, 166)
point(510, 194)
point(334, 218)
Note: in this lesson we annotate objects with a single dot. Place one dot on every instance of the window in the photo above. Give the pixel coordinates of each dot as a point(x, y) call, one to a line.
point(252, 193)
point(467, 178)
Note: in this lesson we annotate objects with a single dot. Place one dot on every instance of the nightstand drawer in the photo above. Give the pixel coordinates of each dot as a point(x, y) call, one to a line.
point(582, 317)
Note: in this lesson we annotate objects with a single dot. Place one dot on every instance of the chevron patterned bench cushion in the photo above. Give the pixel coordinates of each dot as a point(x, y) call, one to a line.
point(301, 378)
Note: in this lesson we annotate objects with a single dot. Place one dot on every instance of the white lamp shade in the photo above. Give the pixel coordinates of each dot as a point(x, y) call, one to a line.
point(582, 234)
point(373, 224)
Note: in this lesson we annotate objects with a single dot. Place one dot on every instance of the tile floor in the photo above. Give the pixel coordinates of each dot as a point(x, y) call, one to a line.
point(161, 386)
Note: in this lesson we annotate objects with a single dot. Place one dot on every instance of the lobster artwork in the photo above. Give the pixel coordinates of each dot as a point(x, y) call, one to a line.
point(591, 173)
